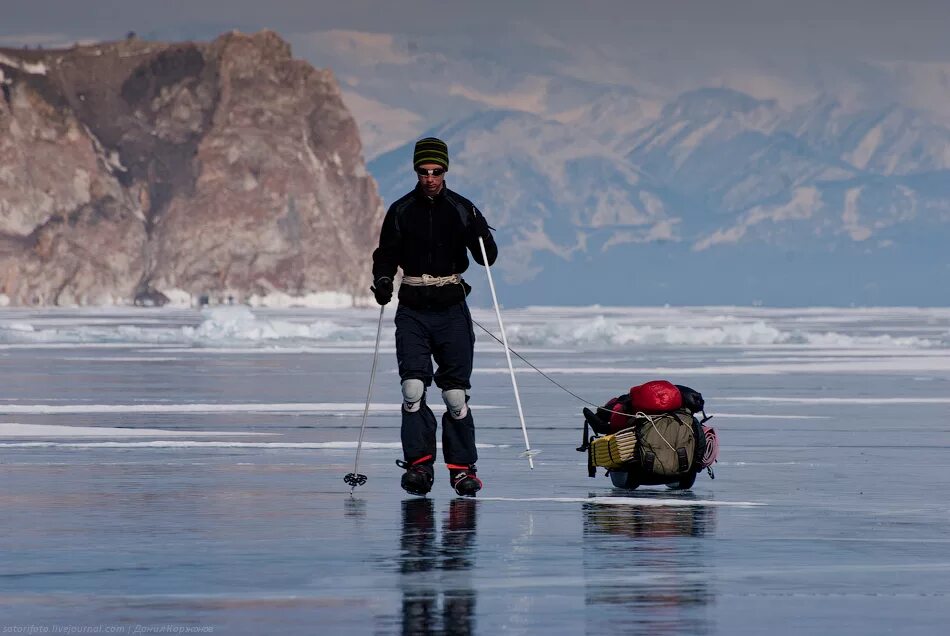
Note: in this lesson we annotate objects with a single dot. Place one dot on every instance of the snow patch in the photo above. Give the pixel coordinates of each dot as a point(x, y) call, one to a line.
point(667, 135)
point(229, 324)
point(833, 366)
point(837, 400)
point(652, 204)
point(317, 300)
point(604, 332)
point(251, 407)
point(693, 139)
point(663, 230)
point(115, 161)
point(801, 206)
point(530, 96)
point(33, 68)
point(13, 429)
point(236, 328)
point(861, 155)
point(850, 219)
point(178, 297)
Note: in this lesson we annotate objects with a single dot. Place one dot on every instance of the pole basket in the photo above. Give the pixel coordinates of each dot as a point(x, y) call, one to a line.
point(354, 479)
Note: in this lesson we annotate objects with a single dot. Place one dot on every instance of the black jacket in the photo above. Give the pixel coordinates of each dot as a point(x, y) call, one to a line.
point(424, 235)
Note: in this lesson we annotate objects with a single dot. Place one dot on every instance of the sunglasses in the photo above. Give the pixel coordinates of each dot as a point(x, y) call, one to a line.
point(430, 172)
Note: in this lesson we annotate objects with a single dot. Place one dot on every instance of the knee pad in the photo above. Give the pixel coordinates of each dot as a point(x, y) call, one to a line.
point(455, 402)
point(412, 393)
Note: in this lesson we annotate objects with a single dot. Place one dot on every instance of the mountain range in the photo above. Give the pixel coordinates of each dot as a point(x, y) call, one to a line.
point(613, 174)
point(608, 184)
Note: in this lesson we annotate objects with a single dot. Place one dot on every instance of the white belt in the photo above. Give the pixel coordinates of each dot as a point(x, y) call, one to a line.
point(426, 280)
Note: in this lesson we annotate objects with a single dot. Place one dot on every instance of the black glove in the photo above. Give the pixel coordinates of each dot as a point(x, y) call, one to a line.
point(480, 225)
point(382, 288)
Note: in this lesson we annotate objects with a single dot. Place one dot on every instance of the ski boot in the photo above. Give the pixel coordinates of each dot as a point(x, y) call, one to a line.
point(419, 475)
point(464, 480)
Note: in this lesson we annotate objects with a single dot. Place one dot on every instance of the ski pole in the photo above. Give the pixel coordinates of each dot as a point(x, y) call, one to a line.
point(355, 479)
point(504, 341)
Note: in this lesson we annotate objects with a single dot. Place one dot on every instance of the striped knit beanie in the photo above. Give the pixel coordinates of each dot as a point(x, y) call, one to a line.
point(430, 150)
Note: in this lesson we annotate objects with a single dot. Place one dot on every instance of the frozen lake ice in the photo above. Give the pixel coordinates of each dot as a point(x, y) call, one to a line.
point(183, 470)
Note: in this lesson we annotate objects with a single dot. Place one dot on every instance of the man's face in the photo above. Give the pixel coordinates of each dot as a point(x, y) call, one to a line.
point(431, 178)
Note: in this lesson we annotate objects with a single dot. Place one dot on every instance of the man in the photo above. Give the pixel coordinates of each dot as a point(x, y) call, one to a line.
point(427, 233)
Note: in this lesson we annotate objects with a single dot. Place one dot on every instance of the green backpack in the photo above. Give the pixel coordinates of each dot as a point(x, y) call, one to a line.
point(666, 443)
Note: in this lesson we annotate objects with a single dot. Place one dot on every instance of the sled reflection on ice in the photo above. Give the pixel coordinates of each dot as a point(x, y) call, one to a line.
point(645, 567)
point(430, 568)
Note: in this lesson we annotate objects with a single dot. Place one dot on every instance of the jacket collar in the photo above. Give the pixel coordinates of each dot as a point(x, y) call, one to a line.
point(439, 195)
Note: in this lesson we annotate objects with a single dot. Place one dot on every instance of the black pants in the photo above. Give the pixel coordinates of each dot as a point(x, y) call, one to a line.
point(445, 335)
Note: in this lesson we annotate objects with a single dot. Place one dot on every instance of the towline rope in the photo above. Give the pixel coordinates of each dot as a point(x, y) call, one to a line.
point(549, 378)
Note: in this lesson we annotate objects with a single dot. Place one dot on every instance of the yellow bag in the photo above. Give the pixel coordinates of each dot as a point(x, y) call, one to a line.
point(612, 451)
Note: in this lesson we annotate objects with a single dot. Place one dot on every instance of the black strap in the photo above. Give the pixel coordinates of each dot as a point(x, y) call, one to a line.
point(648, 458)
point(682, 459)
point(585, 444)
point(591, 469)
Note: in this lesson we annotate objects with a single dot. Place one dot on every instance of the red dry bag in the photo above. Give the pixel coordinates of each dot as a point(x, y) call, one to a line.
point(658, 396)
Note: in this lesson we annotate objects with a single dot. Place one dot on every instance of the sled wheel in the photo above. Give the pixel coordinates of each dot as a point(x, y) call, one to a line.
point(683, 484)
point(622, 479)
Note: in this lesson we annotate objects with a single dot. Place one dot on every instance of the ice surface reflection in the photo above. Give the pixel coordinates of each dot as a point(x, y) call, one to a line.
point(644, 567)
point(434, 566)
point(207, 491)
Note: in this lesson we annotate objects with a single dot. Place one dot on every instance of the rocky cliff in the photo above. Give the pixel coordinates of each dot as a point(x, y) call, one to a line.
point(132, 171)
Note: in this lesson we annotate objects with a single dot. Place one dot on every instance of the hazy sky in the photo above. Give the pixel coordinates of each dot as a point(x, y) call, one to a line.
point(878, 29)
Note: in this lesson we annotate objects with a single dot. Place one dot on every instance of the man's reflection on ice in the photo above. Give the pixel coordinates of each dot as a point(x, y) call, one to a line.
point(431, 568)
